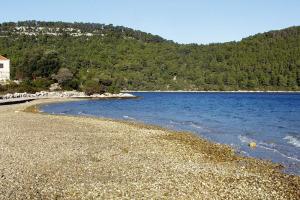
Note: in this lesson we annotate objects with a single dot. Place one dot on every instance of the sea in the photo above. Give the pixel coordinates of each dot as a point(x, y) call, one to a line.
point(271, 120)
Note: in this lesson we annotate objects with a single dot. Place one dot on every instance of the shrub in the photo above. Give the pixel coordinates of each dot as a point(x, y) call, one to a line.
point(2, 88)
point(113, 89)
point(91, 87)
point(63, 75)
point(26, 88)
point(71, 84)
point(41, 83)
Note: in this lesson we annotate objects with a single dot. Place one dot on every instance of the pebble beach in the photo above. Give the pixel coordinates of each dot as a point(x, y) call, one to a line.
point(46, 156)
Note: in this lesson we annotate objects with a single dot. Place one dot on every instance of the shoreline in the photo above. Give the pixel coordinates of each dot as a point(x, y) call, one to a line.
point(211, 91)
point(36, 109)
point(183, 149)
point(25, 97)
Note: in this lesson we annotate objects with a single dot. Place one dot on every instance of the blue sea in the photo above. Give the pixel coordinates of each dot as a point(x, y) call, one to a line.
point(272, 120)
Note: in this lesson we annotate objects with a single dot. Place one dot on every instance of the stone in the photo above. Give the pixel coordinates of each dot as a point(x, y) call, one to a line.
point(54, 87)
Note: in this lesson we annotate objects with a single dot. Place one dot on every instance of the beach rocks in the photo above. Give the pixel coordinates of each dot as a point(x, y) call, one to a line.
point(55, 157)
point(64, 94)
point(54, 87)
point(109, 95)
point(16, 95)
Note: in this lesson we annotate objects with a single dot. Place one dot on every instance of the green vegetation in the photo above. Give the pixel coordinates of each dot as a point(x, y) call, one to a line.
point(29, 86)
point(116, 58)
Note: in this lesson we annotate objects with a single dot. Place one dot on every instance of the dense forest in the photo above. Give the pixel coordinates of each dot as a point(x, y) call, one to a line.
point(116, 57)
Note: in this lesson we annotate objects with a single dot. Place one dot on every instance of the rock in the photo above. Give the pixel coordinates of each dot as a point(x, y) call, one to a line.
point(252, 145)
point(64, 94)
point(126, 95)
point(54, 87)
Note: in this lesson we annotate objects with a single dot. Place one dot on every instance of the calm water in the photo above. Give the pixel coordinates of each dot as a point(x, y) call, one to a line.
point(271, 120)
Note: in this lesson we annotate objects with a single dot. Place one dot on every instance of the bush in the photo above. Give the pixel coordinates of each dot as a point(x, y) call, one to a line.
point(71, 84)
point(106, 82)
point(2, 88)
point(63, 75)
point(26, 88)
point(91, 87)
point(113, 89)
point(11, 86)
point(41, 83)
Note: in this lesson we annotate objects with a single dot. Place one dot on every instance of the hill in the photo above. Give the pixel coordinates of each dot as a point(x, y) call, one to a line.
point(124, 58)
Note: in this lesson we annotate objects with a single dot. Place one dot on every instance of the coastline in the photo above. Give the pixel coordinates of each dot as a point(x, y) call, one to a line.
point(210, 91)
point(165, 163)
point(25, 97)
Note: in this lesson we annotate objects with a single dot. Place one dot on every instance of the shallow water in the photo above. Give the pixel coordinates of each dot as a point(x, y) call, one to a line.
point(272, 120)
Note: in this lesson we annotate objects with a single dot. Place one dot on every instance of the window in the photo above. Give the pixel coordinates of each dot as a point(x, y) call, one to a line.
point(1, 66)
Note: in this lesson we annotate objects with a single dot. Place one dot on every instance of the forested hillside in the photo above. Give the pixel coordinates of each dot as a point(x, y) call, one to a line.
point(123, 58)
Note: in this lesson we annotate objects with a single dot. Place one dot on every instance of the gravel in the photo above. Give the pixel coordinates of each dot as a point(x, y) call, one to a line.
point(64, 157)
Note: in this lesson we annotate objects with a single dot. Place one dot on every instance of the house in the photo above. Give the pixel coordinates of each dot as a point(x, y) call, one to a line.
point(4, 69)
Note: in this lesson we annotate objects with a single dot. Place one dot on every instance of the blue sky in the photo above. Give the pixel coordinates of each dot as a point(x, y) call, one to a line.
point(184, 21)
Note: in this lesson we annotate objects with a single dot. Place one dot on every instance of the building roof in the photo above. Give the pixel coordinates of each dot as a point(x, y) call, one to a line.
point(3, 58)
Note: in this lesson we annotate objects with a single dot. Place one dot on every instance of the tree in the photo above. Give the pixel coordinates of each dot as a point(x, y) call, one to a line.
point(252, 83)
point(91, 87)
point(63, 75)
point(129, 59)
point(48, 64)
point(38, 63)
point(282, 81)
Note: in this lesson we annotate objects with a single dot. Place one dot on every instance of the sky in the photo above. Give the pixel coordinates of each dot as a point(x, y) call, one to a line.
point(183, 21)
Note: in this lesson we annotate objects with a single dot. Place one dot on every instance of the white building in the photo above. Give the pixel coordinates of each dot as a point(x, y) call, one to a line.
point(4, 68)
